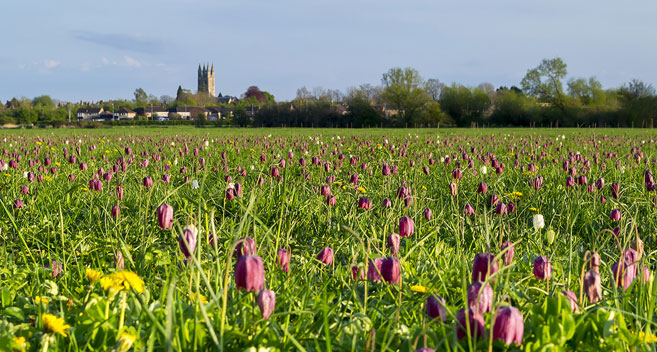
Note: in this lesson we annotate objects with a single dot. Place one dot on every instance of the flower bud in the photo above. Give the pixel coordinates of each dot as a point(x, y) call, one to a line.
point(267, 302)
point(508, 325)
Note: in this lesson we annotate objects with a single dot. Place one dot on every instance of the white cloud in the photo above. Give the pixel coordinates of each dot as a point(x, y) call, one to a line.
point(50, 63)
point(130, 62)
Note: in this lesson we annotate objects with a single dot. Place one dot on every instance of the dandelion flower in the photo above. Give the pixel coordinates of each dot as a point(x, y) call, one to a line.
point(54, 324)
point(93, 275)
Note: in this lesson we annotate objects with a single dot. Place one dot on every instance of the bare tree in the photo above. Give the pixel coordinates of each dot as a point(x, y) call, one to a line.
point(434, 87)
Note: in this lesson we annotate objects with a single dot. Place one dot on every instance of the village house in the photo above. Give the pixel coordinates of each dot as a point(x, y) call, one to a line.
point(89, 113)
point(124, 114)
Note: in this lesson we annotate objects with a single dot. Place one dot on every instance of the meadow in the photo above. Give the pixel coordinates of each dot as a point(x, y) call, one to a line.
point(152, 239)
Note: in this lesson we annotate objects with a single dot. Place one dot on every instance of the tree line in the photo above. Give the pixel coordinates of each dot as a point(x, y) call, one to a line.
point(544, 97)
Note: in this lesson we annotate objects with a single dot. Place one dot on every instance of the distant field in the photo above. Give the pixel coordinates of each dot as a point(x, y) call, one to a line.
point(328, 239)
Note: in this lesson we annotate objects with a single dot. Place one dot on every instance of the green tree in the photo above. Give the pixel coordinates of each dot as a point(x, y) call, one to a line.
point(588, 92)
point(43, 101)
point(404, 89)
point(464, 105)
point(544, 82)
point(141, 97)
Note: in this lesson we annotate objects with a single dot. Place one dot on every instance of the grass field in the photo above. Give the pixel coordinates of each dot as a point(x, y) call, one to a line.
point(218, 239)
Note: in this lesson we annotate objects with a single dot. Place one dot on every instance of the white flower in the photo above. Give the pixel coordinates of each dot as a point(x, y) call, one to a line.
point(538, 221)
point(252, 167)
point(66, 141)
point(5, 167)
point(483, 169)
point(207, 143)
point(175, 162)
point(230, 185)
point(194, 184)
point(25, 174)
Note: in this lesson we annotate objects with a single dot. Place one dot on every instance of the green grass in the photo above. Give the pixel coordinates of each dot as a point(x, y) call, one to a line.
point(196, 306)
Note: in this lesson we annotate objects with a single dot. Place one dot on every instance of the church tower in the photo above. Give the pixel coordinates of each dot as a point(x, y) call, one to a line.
point(206, 79)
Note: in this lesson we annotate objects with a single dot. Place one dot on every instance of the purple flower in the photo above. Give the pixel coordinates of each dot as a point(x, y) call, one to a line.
point(267, 302)
point(427, 214)
point(483, 265)
point(116, 211)
point(250, 273)
point(374, 269)
point(615, 215)
point(391, 270)
point(393, 243)
point(482, 188)
point(148, 182)
point(508, 325)
point(283, 259)
point(190, 232)
point(453, 188)
point(592, 286)
point(475, 321)
point(325, 190)
point(435, 308)
point(480, 297)
point(364, 203)
point(165, 216)
point(542, 268)
point(18, 204)
point(387, 203)
point(510, 250)
point(406, 227)
point(331, 201)
point(469, 210)
point(357, 273)
point(615, 190)
point(326, 256)
point(572, 299)
point(245, 246)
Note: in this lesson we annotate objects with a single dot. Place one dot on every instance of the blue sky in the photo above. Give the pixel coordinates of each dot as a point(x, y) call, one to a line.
point(92, 50)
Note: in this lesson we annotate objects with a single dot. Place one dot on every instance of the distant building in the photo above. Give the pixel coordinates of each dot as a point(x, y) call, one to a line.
point(124, 114)
point(227, 100)
point(206, 80)
point(89, 113)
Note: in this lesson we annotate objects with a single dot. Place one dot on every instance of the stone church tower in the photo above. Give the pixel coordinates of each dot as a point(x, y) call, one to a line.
point(206, 79)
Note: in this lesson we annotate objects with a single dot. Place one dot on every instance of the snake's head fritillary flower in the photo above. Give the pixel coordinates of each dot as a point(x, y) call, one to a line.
point(393, 243)
point(435, 308)
point(542, 268)
point(483, 265)
point(391, 270)
point(406, 227)
point(572, 299)
point(165, 216)
point(266, 302)
point(326, 256)
point(480, 297)
point(249, 273)
point(508, 326)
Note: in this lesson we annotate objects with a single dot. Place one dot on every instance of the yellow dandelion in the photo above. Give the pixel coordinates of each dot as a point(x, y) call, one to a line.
point(57, 163)
point(125, 342)
point(93, 275)
point(648, 338)
point(419, 288)
point(128, 279)
point(533, 209)
point(38, 143)
point(42, 300)
point(192, 297)
point(108, 283)
point(424, 188)
point(84, 189)
point(361, 189)
point(54, 324)
point(48, 178)
point(7, 175)
point(19, 343)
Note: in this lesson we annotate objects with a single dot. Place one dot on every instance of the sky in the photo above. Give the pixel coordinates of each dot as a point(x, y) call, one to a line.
point(100, 50)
